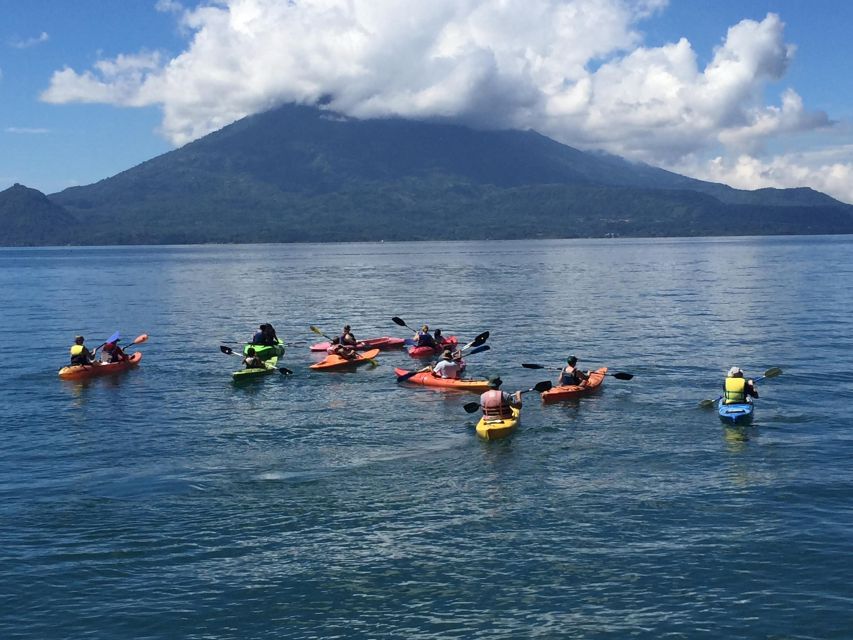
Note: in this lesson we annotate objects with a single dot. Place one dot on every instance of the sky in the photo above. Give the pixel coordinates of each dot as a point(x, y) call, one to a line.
point(751, 93)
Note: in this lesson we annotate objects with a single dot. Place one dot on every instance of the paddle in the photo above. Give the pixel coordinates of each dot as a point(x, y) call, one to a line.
point(412, 374)
point(539, 387)
point(230, 352)
point(113, 338)
point(400, 323)
point(476, 342)
point(772, 372)
point(320, 333)
point(619, 375)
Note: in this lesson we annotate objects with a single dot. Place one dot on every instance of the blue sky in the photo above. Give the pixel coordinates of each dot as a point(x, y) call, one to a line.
point(752, 93)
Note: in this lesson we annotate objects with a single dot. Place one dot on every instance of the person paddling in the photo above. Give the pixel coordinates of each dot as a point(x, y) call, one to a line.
point(736, 389)
point(80, 354)
point(252, 360)
point(571, 375)
point(347, 338)
point(423, 338)
point(447, 367)
point(113, 353)
point(341, 350)
point(497, 403)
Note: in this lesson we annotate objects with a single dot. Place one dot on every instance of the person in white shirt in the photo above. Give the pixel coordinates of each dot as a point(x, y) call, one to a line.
point(447, 367)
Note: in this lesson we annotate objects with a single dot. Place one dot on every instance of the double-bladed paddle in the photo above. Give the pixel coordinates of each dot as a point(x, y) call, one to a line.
point(539, 387)
point(412, 374)
point(619, 375)
point(772, 372)
point(230, 352)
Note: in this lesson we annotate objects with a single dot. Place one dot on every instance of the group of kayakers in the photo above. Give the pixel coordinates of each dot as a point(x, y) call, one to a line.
point(494, 402)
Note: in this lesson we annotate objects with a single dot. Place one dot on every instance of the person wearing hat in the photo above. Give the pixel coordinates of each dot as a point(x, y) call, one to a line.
point(80, 355)
point(497, 403)
point(736, 389)
point(571, 375)
point(347, 338)
point(447, 367)
point(113, 353)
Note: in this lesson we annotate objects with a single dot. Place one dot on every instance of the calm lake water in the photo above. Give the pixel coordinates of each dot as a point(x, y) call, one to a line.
point(167, 502)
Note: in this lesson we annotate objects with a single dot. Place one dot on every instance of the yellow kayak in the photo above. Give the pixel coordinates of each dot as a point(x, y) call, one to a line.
point(494, 428)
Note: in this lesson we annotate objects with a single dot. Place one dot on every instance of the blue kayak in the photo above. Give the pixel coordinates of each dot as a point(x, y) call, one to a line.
point(740, 413)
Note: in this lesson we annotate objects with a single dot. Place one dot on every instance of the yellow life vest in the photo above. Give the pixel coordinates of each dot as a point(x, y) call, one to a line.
point(735, 391)
point(76, 349)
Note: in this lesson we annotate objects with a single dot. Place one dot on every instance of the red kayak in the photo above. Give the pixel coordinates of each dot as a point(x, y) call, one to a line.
point(81, 372)
point(572, 391)
point(383, 343)
point(428, 352)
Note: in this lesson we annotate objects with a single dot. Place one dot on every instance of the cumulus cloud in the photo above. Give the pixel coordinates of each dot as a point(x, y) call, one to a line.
point(576, 70)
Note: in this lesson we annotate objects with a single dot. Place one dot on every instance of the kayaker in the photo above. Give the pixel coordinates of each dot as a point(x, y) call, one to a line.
point(423, 338)
point(341, 350)
point(736, 389)
point(113, 353)
point(497, 403)
point(252, 360)
point(347, 338)
point(571, 375)
point(447, 367)
point(80, 354)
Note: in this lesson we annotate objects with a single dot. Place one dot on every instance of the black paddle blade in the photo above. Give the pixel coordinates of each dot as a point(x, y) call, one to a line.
point(285, 371)
point(707, 404)
point(528, 365)
point(542, 386)
point(772, 372)
point(398, 321)
point(621, 375)
point(471, 407)
point(485, 347)
point(480, 339)
point(226, 350)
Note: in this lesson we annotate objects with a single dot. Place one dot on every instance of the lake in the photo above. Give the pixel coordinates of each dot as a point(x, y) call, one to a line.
point(168, 502)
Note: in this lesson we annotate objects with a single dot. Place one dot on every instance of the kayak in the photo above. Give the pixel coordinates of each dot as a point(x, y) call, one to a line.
point(428, 352)
point(81, 372)
point(573, 391)
point(493, 428)
point(740, 413)
point(428, 379)
point(256, 372)
point(265, 351)
point(383, 343)
point(337, 362)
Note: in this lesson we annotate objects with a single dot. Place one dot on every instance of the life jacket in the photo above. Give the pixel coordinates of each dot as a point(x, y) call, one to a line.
point(78, 355)
point(493, 404)
point(734, 391)
point(425, 339)
point(569, 378)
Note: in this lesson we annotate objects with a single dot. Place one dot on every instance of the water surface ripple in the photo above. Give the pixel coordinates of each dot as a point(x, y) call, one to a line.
point(169, 503)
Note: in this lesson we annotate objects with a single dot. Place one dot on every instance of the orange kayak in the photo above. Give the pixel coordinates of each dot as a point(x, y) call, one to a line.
point(428, 379)
point(337, 362)
point(572, 391)
point(81, 372)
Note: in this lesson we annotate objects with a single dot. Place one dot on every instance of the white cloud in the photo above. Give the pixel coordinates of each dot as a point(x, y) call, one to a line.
point(26, 43)
point(575, 70)
point(27, 130)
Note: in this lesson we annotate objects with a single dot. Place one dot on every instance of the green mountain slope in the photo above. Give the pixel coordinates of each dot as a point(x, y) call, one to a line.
point(28, 218)
point(302, 174)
